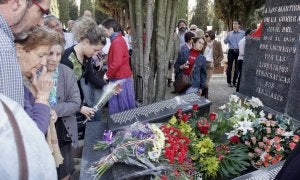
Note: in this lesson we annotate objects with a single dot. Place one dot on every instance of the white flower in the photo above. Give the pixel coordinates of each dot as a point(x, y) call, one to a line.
point(288, 134)
point(158, 142)
point(234, 98)
point(245, 126)
point(222, 107)
point(244, 114)
point(262, 114)
point(255, 102)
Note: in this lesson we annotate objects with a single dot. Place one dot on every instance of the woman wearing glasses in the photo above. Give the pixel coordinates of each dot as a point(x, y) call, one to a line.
point(214, 55)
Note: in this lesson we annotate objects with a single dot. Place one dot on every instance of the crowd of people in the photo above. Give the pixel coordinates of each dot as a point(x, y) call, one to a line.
point(50, 77)
point(212, 53)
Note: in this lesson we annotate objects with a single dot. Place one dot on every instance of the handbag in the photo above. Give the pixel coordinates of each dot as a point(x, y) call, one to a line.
point(182, 83)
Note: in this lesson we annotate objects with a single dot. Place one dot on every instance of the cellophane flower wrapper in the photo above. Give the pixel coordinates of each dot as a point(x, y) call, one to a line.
point(139, 145)
point(108, 91)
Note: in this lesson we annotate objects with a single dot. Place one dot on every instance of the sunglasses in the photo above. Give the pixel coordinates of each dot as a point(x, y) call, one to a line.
point(206, 36)
point(44, 11)
point(193, 29)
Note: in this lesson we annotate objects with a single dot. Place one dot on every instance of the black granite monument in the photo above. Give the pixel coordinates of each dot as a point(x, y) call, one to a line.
point(271, 68)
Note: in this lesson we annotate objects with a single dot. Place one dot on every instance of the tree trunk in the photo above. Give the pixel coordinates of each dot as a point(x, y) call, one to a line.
point(147, 48)
point(161, 49)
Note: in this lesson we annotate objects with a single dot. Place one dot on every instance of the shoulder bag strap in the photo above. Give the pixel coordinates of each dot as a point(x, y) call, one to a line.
point(23, 168)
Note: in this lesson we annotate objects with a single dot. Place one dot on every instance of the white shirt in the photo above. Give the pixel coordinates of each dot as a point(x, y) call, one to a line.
point(242, 44)
point(40, 161)
point(70, 40)
point(208, 52)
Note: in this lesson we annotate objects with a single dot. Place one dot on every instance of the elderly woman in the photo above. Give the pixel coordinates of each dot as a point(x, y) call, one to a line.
point(91, 40)
point(65, 102)
point(32, 54)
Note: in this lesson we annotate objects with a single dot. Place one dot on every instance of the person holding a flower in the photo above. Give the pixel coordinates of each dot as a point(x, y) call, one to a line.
point(91, 40)
point(118, 68)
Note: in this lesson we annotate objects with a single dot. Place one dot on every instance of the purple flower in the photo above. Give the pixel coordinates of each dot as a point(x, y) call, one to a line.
point(134, 133)
point(141, 149)
point(107, 136)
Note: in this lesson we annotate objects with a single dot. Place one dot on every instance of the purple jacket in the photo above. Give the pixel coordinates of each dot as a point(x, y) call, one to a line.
point(39, 113)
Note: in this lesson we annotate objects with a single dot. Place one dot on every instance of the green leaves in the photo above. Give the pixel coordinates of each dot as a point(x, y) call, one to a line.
point(235, 162)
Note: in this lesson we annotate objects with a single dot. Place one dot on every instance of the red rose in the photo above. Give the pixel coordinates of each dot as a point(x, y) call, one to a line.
point(179, 111)
point(185, 117)
point(212, 116)
point(234, 139)
point(203, 125)
point(204, 129)
point(195, 107)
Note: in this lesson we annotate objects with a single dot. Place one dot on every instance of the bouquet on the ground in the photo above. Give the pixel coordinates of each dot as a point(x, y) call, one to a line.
point(269, 138)
point(138, 144)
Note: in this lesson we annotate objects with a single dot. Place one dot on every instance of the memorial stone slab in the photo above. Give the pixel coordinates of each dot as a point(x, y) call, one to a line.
point(271, 65)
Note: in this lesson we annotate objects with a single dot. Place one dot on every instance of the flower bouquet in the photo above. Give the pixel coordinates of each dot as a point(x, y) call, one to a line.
point(269, 139)
point(138, 144)
point(109, 90)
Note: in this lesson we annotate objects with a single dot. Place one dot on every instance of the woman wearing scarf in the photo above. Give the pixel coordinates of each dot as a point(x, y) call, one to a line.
point(193, 64)
point(119, 68)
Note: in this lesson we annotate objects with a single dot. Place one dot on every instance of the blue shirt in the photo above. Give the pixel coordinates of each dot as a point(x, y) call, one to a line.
point(233, 39)
point(11, 83)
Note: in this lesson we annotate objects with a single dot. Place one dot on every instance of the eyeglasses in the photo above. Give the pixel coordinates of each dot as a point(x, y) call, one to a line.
point(44, 11)
point(206, 36)
point(193, 29)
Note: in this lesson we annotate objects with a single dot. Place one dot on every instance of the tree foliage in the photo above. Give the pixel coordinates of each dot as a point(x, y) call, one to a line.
point(182, 9)
point(100, 16)
point(228, 10)
point(87, 5)
point(119, 9)
point(73, 10)
point(200, 17)
point(63, 6)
